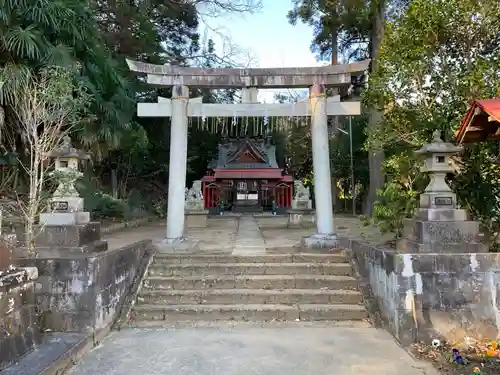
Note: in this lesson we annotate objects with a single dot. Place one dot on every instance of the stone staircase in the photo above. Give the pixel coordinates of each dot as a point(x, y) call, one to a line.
point(267, 287)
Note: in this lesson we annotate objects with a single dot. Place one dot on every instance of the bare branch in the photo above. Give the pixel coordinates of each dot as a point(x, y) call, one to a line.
point(47, 108)
point(217, 8)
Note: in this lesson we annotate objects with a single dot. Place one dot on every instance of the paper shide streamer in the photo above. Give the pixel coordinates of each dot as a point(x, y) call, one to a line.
point(261, 125)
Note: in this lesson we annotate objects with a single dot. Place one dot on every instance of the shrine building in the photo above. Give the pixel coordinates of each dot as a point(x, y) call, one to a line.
point(481, 122)
point(245, 177)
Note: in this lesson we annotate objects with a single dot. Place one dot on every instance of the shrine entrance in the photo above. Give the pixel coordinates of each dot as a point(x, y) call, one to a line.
point(247, 196)
point(236, 196)
point(254, 163)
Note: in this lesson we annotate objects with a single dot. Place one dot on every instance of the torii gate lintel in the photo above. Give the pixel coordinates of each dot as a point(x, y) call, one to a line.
point(195, 108)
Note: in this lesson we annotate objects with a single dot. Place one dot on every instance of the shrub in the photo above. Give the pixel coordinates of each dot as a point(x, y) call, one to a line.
point(105, 206)
point(395, 204)
point(365, 220)
point(160, 208)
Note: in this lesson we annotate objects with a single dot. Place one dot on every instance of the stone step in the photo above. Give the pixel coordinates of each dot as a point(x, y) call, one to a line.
point(264, 312)
point(303, 250)
point(234, 324)
point(341, 269)
point(261, 258)
point(249, 296)
point(252, 282)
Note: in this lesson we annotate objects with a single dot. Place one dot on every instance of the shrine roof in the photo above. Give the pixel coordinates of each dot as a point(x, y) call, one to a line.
point(481, 123)
point(245, 154)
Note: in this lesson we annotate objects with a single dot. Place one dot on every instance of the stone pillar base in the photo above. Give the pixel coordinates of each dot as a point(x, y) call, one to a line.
point(64, 218)
point(302, 204)
point(196, 219)
point(301, 218)
point(67, 235)
point(320, 241)
point(456, 236)
point(404, 245)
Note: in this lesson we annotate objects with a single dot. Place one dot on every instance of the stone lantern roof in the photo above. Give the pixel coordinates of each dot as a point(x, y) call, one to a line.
point(66, 150)
point(438, 146)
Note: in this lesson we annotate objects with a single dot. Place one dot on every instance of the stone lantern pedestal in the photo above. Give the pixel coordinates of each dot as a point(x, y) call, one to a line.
point(301, 215)
point(439, 226)
point(66, 227)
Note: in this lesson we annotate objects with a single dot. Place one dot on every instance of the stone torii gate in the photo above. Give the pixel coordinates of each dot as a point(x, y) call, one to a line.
point(319, 107)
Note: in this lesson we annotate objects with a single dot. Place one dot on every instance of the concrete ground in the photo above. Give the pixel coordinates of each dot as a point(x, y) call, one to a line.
point(274, 348)
point(288, 349)
point(276, 234)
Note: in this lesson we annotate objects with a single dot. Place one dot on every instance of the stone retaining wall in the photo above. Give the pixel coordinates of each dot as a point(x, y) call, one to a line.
point(423, 296)
point(84, 292)
point(19, 331)
point(9, 224)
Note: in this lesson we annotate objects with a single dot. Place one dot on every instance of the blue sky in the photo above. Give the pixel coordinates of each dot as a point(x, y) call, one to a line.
point(267, 36)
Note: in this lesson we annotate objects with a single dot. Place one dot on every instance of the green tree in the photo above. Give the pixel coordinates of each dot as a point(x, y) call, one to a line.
point(354, 28)
point(434, 59)
point(41, 33)
point(323, 16)
point(138, 150)
point(340, 156)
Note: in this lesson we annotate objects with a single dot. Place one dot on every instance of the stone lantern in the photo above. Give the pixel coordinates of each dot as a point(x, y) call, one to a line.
point(66, 206)
point(438, 195)
point(439, 225)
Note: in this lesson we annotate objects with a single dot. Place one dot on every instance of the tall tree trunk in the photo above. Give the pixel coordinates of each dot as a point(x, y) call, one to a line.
point(114, 183)
point(375, 156)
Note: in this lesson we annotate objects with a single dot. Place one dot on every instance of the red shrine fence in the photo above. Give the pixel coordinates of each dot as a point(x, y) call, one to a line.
point(270, 196)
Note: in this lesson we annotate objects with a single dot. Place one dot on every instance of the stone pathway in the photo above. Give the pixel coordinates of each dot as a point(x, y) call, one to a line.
point(276, 349)
point(250, 235)
point(249, 239)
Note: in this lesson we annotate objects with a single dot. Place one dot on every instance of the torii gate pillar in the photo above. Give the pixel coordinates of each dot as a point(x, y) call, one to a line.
point(178, 164)
point(321, 160)
point(325, 236)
